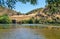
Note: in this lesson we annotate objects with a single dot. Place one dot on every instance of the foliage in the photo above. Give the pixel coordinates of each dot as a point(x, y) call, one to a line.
point(30, 21)
point(4, 19)
point(53, 6)
point(24, 21)
point(11, 3)
point(36, 21)
point(41, 21)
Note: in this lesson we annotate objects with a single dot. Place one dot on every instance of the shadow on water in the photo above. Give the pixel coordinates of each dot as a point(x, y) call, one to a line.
point(29, 31)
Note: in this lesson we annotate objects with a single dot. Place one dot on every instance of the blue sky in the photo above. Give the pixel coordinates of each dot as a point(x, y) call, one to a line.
point(24, 8)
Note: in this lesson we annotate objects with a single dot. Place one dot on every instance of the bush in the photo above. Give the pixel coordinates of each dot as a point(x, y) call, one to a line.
point(4, 19)
point(36, 21)
point(30, 21)
point(24, 21)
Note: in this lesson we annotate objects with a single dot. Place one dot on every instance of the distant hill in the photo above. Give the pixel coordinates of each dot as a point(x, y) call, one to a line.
point(8, 11)
point(39, 13)
point(43, 12)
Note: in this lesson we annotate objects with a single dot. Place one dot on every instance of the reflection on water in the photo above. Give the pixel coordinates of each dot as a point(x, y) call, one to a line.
point(22, 33)
point(29, 32)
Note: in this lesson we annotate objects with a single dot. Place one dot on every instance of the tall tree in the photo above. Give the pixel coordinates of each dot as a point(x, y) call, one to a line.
point(10, 3)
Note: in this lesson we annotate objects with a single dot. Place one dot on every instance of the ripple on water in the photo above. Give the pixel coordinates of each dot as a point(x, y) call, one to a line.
point(22, 33)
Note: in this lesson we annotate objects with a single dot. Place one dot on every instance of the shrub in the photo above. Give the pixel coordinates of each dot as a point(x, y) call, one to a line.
point(30, 21)
point(4, 19)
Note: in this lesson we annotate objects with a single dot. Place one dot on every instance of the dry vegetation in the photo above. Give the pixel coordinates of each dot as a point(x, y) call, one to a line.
point(37, 13)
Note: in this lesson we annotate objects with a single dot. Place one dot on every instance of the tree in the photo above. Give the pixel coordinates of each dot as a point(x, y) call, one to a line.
point(4, 19)
point(53, 6)
point(10, 3)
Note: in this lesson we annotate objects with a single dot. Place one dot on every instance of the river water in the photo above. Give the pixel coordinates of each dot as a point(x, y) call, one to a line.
point(29, 32)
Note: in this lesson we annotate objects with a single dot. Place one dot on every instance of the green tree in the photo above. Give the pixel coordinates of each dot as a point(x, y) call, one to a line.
point(53, 6)
point(11, 3)
point(4, 19)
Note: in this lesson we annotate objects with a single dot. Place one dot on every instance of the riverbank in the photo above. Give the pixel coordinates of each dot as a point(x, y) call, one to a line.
point(14, 26)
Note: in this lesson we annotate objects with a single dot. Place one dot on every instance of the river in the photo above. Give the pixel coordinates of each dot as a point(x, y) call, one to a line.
point(29, 32)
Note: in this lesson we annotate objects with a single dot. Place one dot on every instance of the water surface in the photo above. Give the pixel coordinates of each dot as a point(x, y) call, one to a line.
point(29, 32)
